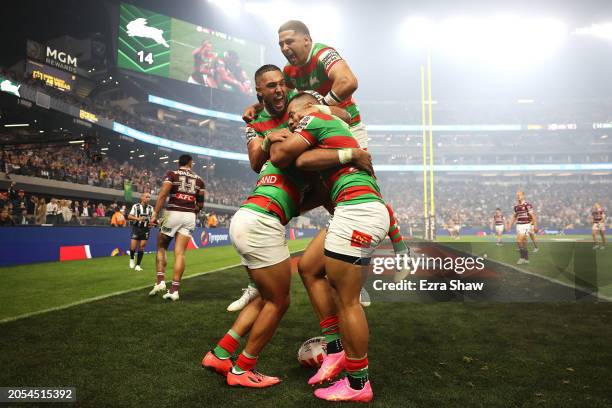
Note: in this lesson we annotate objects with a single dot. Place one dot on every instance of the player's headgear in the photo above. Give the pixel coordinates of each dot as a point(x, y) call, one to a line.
point(185, 159)
point(295, 25)
point(265, 68)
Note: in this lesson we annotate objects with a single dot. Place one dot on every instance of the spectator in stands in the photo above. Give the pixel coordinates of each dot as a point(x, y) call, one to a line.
point(20, 203)
point(32, 203)
point(5, 218)
point(118, 219)
point(85, 210)
point(12, 193)
point(52, 211)
point(41, 212)
point(212, 221)
point(4, 199)
point(22, 219)
point(100, 210)
point(65, 211)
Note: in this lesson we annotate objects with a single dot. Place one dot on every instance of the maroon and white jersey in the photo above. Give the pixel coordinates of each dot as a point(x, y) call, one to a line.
point(522, 211)
point(186, 187)
point(499, 219)
point(598, 215)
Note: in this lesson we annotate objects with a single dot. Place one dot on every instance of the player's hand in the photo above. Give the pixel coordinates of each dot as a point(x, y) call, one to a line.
point(153, 220)
point(363, 161)
point(249, 113)
point(279, 135)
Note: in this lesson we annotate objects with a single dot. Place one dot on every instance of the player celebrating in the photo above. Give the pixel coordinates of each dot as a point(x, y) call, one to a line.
point(258, 234)
point(204, 66)
point(185, 190)
point(231, 75)
point(349, 242)
point(524, 218)
point(598, 218)
point(498, 222)
point(140, 215)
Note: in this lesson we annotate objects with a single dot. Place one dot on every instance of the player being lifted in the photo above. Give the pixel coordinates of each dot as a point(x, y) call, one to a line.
point(349, 242)
point(204, 66)
point(140, 215)
point(258, 234)
point(598, 218)
point(497, 223)
point(524, 218)
point(185, 191)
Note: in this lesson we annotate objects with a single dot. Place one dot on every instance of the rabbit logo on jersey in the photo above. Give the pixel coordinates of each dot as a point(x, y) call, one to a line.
point(210, 239)
point(139, 28)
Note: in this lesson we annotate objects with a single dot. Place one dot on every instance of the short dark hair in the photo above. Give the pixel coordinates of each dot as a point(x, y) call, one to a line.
point(498, 209)
point(304, 95)
point(295, 25)
point(265, 68)
point(184, 159)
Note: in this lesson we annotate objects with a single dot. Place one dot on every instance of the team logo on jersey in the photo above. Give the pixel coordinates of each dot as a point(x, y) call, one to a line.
point(139, 28)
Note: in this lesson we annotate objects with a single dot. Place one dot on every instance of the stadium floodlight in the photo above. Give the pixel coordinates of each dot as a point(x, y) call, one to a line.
point(104, 149)
point(231, 8)
point(603, 31)
point(525, 101)
point(141, 155)
point(76, 142)
point(323, 20)
point(17, 125)
point(504, 40)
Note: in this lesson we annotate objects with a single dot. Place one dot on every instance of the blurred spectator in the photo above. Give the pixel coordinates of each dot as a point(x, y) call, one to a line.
point(212, 221)
point(20, 203)
point(5, 218)
point(40, 213)
point(118, 219)
point(22, 219)
point(52, 212)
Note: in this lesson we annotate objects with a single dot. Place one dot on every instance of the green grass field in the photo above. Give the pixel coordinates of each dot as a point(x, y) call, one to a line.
point(132, 350)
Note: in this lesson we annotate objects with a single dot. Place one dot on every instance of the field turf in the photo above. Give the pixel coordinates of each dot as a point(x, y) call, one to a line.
point(132, 350)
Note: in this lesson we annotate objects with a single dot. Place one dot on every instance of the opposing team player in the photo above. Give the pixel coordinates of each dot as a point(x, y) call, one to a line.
point(524, 218)
point(140, 215)
point(598, 218)
point(498, 222)
point(258, 234)
point(349, 242)
point(185, 191)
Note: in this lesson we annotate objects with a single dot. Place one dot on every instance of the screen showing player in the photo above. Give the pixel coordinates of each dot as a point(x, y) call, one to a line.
point(156, 44)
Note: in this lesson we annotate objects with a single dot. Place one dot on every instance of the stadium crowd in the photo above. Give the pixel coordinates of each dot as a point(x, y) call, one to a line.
point(559, 205)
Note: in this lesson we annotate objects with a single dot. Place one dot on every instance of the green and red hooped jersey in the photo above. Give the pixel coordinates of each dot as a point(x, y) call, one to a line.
point(347, 184)
point(278, 191)
point(314, 76)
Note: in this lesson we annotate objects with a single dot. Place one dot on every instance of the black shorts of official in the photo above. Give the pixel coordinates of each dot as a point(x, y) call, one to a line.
point(347, 258)
point(140, 234)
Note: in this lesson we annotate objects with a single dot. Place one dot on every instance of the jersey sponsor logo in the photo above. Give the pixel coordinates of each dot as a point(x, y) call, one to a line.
point(329, 57)
point(304, 123)
point(361, 239)
point(270, 179)
point(184, 197)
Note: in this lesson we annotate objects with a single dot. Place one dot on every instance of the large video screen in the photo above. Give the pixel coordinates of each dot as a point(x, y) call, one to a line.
point(156, 44)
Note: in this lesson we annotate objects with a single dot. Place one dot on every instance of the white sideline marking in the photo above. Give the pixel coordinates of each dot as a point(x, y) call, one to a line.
point(553, 280)
point(93, 299)
point(121, 292)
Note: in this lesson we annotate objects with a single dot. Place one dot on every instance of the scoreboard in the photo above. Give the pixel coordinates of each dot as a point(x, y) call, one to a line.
point(155, 44)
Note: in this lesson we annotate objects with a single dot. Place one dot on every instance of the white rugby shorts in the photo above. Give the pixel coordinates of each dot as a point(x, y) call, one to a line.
point(356, 230)
point(259, 239)
point(180, 222)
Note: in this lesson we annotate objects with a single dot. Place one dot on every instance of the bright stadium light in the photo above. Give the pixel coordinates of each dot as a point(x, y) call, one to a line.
point(230, 8)
point(323, 20)
point(504, 40)
point(603, 31)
